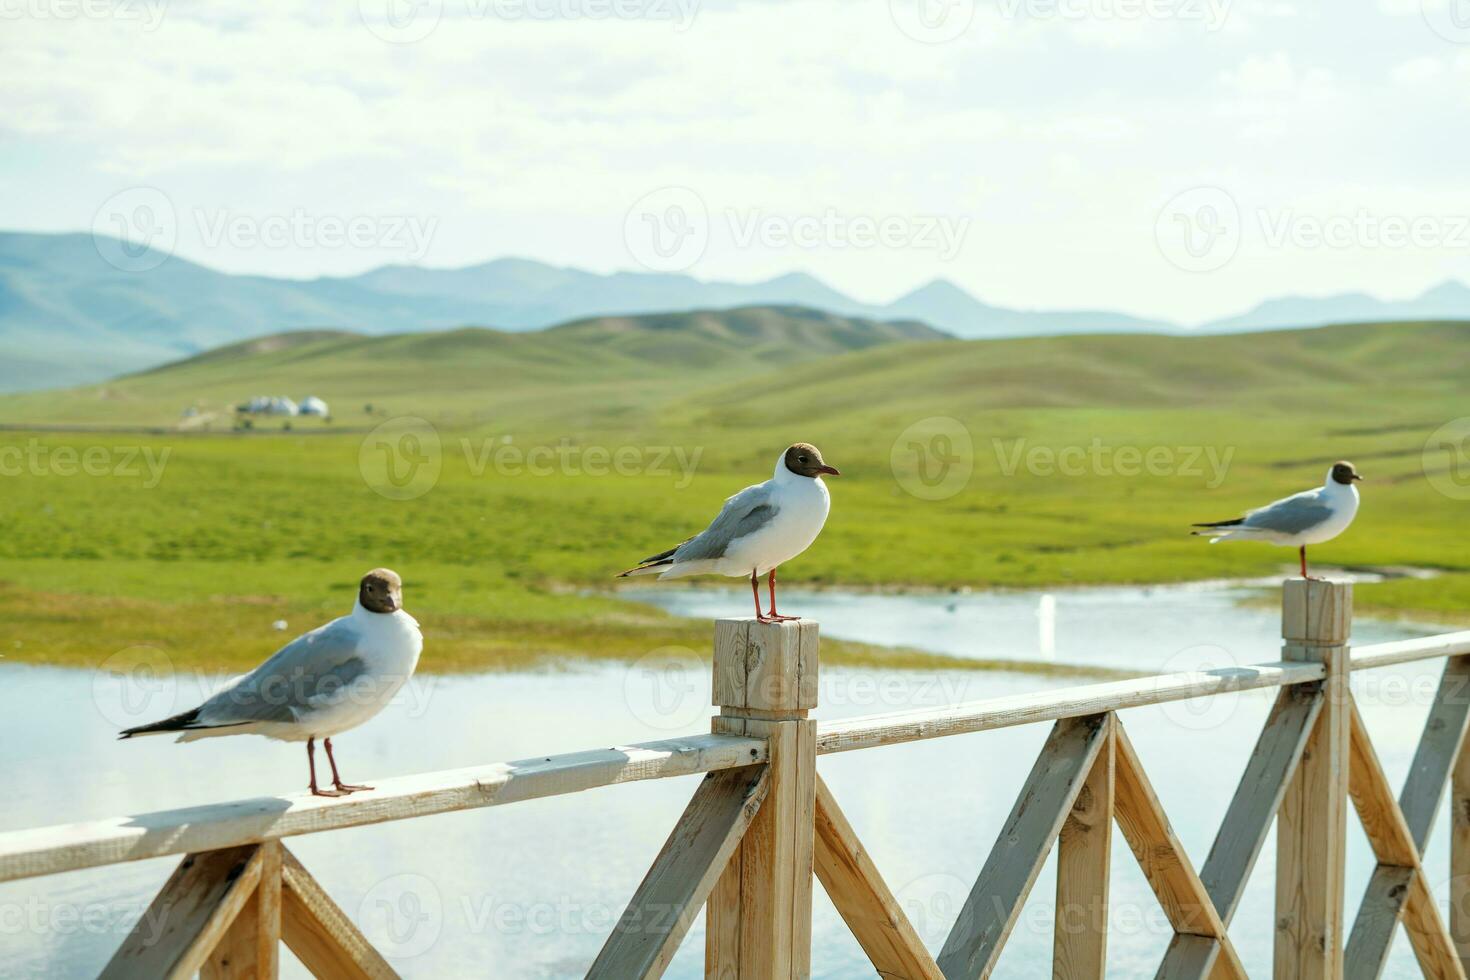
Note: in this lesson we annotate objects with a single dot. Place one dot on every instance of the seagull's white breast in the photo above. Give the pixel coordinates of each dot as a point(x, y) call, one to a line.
point(801, 510)
point(1344, 507)
point(390, 645)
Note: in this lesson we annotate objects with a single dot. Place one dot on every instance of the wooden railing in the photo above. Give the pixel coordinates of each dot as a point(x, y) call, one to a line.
point(762, 825)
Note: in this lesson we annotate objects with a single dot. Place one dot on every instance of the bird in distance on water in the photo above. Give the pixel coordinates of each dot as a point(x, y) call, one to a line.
point(1309, 517)
point(758, 528)
point(320, 684)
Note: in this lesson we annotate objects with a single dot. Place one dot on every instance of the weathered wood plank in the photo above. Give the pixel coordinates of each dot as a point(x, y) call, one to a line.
point(1378, 812)
point(648, 933)
point(1392, 895)
point(1459, 925)
point(1428, 936)
point(864, 900)
point(990, 911)
point(321, 935)
point(1444, 732)
point(1084, 851)
point(1165, 864)
point(767, 885)
point(870, 731)
point(1312, 820)
point(48, 850)
point(1248, 821)
point(191, 913)
point(1378, 915)
point(1407, 651)
point(1190, 957)
point(1268, 772)
point(250, 948)
point(770, 859)
point(1168, 870)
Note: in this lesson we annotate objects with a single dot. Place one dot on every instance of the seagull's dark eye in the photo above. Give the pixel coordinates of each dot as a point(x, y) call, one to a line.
point(801, 459)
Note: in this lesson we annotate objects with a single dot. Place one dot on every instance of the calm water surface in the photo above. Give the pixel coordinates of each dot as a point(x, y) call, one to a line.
point(531, 890)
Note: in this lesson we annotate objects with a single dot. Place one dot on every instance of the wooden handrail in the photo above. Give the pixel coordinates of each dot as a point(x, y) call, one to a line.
point(49, 850)
point(1407, 651)
point(1074, 702)
point(68, 847)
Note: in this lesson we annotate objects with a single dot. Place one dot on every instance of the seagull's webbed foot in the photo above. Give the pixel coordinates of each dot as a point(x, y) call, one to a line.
point(775, 617)
point(350, 788)
point(316, 791)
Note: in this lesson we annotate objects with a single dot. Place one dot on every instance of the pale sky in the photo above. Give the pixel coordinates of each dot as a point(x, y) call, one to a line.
point(1029, 150)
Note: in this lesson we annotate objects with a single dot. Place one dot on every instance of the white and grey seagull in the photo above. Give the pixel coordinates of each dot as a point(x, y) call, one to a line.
point(320, 684)
point(758, 528)
point(1309, 517)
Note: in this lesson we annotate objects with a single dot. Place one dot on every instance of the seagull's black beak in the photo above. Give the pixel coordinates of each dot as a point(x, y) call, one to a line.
point(1357, 476)
point(829, 470)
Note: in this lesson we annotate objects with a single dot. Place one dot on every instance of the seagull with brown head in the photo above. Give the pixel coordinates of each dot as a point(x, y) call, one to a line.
point(320, 684)
point(758, 528)
point(1309, 517)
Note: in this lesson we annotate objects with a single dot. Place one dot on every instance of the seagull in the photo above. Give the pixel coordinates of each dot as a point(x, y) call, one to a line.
point(757, 529)
point(1309, 517)
point(320, 684)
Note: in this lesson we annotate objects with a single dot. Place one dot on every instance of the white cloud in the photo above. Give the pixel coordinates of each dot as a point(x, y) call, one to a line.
point(1059, 136)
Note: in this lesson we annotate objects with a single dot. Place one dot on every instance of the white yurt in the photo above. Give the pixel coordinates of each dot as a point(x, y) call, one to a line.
point(312, 405)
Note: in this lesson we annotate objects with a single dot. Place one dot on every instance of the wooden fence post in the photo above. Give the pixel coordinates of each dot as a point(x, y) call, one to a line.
point(1459, 923)
point(1316, 622)
point(759, 922)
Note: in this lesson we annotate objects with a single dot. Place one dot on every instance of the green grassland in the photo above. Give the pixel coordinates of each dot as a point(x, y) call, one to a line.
point(512, 564)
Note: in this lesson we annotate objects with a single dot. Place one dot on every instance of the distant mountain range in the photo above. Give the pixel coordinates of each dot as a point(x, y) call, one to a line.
point(68, 316)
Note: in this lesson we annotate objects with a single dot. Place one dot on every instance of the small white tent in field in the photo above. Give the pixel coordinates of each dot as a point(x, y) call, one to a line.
point(312, 405)
point(268, 405)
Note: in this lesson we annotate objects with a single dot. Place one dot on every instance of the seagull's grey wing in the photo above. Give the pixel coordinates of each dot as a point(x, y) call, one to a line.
point(309, 672)
point(1290, 515)
point(745, 513)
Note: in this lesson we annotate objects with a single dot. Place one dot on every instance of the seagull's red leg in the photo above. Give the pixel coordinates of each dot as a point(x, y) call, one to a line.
point(776, 617)
point(336, 779)
point(311, 762)
point(755, 590)
point(1303, 550)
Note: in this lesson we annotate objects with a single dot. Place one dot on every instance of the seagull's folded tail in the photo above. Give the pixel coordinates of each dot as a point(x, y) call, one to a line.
point(184, 721)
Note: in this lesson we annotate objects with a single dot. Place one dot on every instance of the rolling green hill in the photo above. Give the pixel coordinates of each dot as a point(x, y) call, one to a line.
point(609, 364)
point(965, 464)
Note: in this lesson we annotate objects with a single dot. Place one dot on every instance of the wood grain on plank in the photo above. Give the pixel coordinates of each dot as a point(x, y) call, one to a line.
point(990, 911)
point(682, 876)
point(864, 900)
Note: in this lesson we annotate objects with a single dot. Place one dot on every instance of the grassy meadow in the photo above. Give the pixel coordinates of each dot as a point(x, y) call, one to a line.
point(541, 465)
